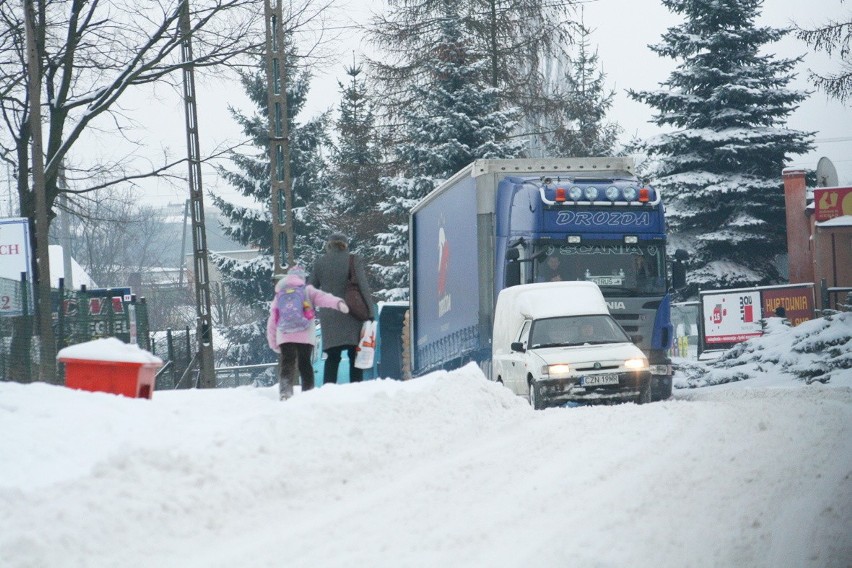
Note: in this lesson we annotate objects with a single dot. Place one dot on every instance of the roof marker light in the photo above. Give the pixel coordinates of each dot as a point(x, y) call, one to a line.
point(644, 195)
point(560, 194)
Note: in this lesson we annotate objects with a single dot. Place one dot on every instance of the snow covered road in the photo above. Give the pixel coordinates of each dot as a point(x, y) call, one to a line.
point(447, 470)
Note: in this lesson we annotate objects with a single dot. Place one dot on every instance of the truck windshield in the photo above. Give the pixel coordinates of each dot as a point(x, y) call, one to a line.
point(575, 330)
point(617, 267)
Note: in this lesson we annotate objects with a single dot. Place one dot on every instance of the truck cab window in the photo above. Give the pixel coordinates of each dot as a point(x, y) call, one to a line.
point(634, 269)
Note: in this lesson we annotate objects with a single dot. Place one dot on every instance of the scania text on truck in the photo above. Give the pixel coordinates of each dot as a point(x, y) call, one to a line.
point(500, 223)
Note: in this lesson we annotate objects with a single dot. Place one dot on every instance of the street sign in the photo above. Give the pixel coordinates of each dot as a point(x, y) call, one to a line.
point(15, 259)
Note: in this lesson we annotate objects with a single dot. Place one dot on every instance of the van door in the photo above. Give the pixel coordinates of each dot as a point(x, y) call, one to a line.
point(516, 376)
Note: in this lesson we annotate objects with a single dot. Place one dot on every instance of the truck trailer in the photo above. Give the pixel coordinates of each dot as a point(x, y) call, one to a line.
point(500, 223)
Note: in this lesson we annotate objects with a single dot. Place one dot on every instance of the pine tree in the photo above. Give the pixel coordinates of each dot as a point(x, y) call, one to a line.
point(719, 168)
point(457, 120)
point(356, 162)
point(834, 36)
point(251, 281)
point(580, 130)
point(516, 42)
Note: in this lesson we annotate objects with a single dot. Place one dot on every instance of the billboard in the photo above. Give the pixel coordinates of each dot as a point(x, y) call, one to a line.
point(730, 316)
point(106, 312)
point(15, 258)
point(797, 302)
point(832, 202)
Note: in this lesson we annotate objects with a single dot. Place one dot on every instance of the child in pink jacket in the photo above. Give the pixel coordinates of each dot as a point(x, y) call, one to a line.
point(295, 348)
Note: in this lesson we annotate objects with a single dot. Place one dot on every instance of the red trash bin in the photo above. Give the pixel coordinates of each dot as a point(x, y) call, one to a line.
point(110, 365)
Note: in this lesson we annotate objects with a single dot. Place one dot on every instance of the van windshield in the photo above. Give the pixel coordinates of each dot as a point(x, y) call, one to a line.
point(576, 330)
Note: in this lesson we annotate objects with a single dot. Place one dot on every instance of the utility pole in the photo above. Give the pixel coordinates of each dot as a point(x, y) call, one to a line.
point(47, 359)
point(279, 136)
point(65, 231)
point(182, 259)
point(204, 322)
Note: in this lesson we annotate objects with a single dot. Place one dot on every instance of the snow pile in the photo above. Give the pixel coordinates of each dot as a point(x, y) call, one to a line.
point(817, 350)
point(108, 349)
point(444, 470)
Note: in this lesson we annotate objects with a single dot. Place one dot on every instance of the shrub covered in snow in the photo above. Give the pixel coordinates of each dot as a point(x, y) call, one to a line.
point(816, 350)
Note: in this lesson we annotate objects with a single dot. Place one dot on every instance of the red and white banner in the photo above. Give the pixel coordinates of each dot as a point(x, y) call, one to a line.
point(731, 316)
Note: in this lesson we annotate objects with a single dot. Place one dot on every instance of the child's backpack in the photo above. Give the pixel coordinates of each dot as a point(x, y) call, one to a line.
point(294, 309)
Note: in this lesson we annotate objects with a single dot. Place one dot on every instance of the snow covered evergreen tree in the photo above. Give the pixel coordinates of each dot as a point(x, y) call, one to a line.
point(719, 167)
point(580, 129)
point(251, 281)
point(356, 162)
point(516, 41)
point(456, 119)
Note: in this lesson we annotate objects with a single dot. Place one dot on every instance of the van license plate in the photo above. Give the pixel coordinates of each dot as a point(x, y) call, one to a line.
point(594, 380)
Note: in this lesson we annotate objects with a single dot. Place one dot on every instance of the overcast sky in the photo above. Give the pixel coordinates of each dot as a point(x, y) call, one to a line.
point(622, 31)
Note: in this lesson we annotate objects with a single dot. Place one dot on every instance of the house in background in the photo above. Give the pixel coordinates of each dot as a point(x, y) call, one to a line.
point(79, 277)
point(819, 238)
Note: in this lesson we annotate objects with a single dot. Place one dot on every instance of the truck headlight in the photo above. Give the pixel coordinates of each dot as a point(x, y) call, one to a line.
point(636, 364)
point(661, 369)
point(556, 371)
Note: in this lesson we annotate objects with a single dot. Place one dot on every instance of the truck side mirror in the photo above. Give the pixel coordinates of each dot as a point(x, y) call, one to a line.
point(513, 268)
point(679, 269)
point(517, 346)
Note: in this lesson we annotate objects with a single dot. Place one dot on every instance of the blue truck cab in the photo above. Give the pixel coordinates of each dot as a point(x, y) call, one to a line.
point(499, 223)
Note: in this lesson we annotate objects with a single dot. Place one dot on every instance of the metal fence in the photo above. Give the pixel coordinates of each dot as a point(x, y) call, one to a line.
point(78, 316)
point(83, 315)
point(177, 350)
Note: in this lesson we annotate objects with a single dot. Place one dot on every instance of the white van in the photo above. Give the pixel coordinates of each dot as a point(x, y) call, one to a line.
point(556, 342)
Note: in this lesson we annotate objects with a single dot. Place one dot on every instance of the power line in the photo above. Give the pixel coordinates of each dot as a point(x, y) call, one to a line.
point(827, 140)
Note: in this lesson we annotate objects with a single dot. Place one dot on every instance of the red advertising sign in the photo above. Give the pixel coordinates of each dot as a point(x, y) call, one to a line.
point(832, 202)
point(797, 301)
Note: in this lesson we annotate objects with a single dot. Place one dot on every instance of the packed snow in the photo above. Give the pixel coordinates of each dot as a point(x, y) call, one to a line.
point(443, 470)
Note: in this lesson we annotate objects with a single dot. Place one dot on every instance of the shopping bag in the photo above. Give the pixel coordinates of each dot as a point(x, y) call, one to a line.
point(366, 349)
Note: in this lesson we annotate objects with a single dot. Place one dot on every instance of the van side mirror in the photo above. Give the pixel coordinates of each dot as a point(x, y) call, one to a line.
point(518, 346)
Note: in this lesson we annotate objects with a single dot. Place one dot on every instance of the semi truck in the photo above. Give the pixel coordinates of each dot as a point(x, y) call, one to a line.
point(501, 223)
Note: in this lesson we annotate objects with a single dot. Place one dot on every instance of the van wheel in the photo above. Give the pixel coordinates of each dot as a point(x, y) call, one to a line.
point(535, 396)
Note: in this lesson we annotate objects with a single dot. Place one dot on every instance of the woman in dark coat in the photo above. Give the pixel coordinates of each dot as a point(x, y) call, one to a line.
point(339, 331)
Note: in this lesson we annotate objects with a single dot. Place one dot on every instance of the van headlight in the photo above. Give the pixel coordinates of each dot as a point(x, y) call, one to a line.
point(638, 364)
point(556, 371)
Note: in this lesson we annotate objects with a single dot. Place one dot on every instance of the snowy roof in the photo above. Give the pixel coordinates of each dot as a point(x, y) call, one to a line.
point(842, 221)
point(551, 299)
point(57, 270)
